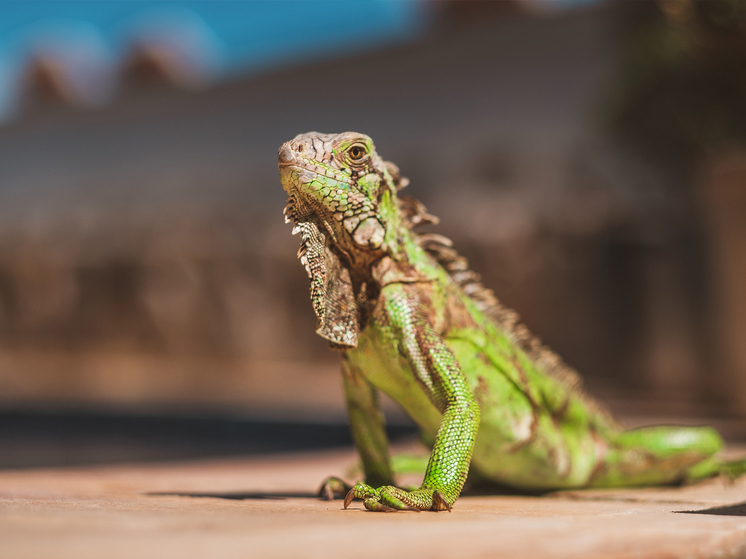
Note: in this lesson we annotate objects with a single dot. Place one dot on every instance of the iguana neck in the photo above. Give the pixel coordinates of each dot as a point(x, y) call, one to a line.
point(400, 249)
point(404, 260)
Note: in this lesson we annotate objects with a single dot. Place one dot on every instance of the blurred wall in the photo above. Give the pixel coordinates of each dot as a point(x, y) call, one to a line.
point(722, 187)
point(144, 258)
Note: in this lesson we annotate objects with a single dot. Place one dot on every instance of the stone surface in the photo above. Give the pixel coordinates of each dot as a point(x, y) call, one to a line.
point(265, 507)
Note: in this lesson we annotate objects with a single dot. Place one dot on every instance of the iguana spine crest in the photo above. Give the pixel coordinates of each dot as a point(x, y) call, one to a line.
point(414, 214)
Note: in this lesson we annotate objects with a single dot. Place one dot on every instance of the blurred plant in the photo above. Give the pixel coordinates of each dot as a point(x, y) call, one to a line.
point(683, 78)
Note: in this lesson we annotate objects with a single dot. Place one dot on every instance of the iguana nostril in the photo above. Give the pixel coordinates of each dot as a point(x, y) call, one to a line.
point(285, 155)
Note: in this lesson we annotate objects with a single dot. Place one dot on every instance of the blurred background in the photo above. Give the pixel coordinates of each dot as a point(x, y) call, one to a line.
point(587, 156)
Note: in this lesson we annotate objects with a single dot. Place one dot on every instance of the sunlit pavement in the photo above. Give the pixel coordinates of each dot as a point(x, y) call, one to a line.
point(266, 507)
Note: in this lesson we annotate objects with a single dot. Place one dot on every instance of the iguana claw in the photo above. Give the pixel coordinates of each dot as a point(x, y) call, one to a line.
point(349, 497)
point(439, 502)
point(333, 486)
point(326, 492)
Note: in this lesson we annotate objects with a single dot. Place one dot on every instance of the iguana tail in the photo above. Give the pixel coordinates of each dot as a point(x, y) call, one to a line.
point(715, 466)
point(663, 455)
point(638, 457)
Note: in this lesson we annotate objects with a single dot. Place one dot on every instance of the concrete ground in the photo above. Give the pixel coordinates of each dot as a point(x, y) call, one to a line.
point(266, 507)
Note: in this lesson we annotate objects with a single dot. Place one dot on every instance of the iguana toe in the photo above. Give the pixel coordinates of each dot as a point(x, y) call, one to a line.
point(375, 505)
point(333, 486)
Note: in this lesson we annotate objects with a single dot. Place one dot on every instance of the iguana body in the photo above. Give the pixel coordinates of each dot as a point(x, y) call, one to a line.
point(414, 322)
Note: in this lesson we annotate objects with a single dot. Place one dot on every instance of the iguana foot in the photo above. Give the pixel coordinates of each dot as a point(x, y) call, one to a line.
point(333, 486)
point(389, 498)
point(733, 469)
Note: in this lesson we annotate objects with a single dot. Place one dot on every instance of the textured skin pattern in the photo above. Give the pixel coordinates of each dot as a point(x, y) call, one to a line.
point(413, 321)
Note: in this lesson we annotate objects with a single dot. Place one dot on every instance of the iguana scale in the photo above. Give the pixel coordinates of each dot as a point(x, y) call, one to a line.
point(413, 321)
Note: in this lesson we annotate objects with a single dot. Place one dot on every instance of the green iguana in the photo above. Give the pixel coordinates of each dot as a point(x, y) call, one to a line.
point(413, 321)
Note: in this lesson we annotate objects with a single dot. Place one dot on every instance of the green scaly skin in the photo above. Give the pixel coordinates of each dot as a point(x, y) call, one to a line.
point(412, 321)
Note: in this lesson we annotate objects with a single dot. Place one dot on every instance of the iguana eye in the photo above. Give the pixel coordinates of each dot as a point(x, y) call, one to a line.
point(356, 153)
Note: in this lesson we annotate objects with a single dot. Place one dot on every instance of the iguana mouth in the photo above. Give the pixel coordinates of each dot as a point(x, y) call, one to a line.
point(294, 175)
point(301, 172)
point(304, 160)
point(299, 207)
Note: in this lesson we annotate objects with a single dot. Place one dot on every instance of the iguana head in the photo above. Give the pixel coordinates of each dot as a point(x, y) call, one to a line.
point(340, 179)
point(342, 199)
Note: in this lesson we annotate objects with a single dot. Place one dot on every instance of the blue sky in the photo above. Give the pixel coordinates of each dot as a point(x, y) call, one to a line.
point(221, 38)
point(225, 37)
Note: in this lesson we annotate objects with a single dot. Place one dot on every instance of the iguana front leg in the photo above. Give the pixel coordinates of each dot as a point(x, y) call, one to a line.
point(439, 375)
point(368, 425)
point(368, 428)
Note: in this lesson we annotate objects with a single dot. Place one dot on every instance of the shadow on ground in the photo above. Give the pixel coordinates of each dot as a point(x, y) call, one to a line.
point(476, 490)
point(738, 509)
point(241, 496)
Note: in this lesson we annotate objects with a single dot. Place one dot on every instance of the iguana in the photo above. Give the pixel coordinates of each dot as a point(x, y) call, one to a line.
point(412, 320)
